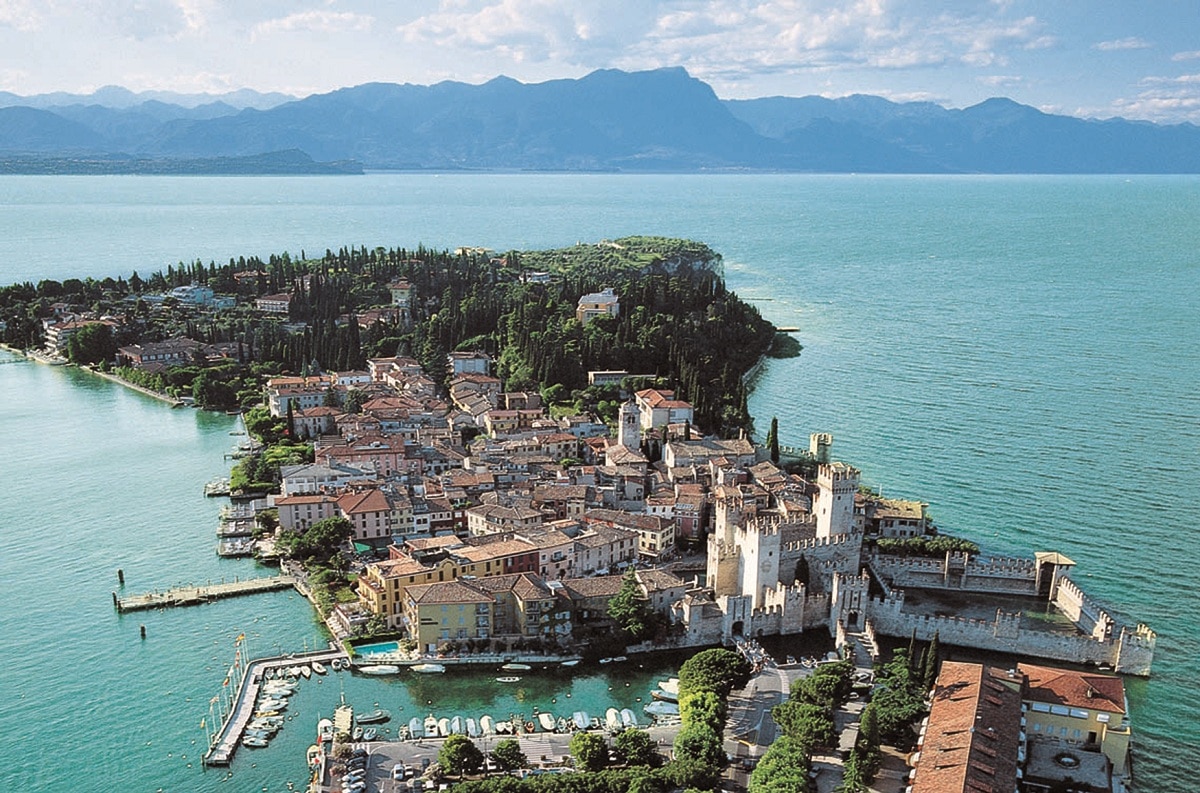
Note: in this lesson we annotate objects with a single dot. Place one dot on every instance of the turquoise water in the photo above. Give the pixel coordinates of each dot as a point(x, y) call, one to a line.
point(381, 647)
point(1021, 352)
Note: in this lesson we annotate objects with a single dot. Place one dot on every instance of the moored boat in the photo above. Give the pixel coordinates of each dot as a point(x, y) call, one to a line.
point(428, 669)
point(516, 667)
point(376, 716)
point(660, 708)
point(356, 734)
point(325, 731)
point(508, 679)
point(547, 721)
point(670, 686)
point(415, 729)
point(370, 734)
point(319, 667)
point(472, 727)
point(628, 718)
point(612, 719)
point(664, 696)
point(443, 727)
point(380, 669)
point(431, 726)
point(487, 725)
point(305, 671)
point(456, 726)
point(254, 742)
point(580, 717)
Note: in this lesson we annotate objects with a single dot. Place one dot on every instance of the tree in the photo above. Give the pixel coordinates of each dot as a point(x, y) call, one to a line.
point(718, 670)
point(867, 745)
point(320, 542)
point(93, 343)
point(807, 724)
point(932, 662)
point(508, 755)
point(630, 609)
point(783, 769)
point(636, 747)
point(702, 707)
point(590, 751)
point(459, 755)
point(773, 440)
point(698, 742)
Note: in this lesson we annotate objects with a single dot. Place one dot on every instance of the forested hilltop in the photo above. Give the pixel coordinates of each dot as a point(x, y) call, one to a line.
point(677, 322)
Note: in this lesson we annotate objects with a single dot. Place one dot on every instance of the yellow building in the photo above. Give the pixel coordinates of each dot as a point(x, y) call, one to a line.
point(448, 611)
point(1078, 708)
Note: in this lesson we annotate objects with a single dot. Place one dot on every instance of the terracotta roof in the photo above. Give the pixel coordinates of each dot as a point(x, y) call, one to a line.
point(973, 733)
point(446, 592)
point(597, 586)
point(658, 580)
point(1081, 690)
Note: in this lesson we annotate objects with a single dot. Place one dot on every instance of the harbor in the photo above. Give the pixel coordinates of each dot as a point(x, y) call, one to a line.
point(192, 595)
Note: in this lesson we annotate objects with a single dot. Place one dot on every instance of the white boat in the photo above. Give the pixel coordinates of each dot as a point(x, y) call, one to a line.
point(370, 734)
point(428, 669)
point(664, 696)
point(443, 727)
point(612, 719)
point(508, 679)
point(616, 659)
point(272, 704)
point(456, 726)
point(356, 734)
point(580, 717)
point(254, 742)
point(571, 662)
point(487, 725)
point(670, 686)
point(660, 708)
point(305, 671)
point(516, 667)
point(380, 669)
point(431, 726)
point(547, 721)
point(472, 727)
point(503, 727)
point(319, 667)
point(628, 718)
point(325, 731)
point(562, 725)
point(415, 730)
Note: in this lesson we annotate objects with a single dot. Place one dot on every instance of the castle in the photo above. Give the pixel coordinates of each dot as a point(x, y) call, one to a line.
point(776, 568)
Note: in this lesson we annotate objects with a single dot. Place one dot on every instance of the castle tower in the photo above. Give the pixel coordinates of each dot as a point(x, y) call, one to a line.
point(819, 444)
point(848, 602)
point(836, 485)
point(628, 431)
point(760, 547)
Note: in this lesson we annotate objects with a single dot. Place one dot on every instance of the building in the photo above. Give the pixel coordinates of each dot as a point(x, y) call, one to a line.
point(1079, 710)
point(460, 363)
point(172, 352)
point(496, 518)
point(369, 511)
point(659, 408)
point(597, 304)
point(434, 614)
point(300, 512)
point(274, 304)
point(889, 517)
point(971, 740)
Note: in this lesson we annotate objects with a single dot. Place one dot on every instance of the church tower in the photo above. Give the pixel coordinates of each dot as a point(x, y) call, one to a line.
point(836, 485)
point(628, 429)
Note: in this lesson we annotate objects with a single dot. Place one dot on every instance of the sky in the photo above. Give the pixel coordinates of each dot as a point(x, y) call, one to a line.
point(1091, 58)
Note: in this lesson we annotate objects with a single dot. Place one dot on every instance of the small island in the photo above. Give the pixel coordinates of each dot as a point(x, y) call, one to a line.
point(545, 458)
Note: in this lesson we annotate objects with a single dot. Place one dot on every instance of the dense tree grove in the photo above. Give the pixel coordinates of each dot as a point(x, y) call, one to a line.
point(677, 321)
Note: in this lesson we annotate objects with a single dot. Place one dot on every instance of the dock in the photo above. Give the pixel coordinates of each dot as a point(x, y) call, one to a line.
point(226, 741)
point(195, 595)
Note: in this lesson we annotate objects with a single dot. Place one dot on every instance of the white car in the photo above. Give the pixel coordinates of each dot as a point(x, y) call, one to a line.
point(399, 771)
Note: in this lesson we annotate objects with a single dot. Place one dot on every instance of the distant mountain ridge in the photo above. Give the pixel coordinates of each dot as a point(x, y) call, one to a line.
point(609, 120)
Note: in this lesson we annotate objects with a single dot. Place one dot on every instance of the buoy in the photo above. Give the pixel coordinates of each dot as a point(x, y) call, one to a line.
point(121, 576)
point(143, 631)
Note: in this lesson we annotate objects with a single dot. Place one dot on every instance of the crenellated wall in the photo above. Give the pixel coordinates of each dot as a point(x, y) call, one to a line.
point(994, 575)
point(1087, 615)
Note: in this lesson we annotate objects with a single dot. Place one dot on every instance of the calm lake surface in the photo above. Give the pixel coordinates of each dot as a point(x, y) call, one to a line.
point(1023, 353)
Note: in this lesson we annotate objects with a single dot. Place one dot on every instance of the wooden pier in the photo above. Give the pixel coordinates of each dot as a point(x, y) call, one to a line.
point(226, 741)
point(195, 595)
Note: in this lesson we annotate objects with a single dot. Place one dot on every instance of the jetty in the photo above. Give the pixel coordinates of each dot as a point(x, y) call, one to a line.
point(226, 740)
point(190, 595)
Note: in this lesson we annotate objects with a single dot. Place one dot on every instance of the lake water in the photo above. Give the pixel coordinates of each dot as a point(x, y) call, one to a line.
point(1021, 352)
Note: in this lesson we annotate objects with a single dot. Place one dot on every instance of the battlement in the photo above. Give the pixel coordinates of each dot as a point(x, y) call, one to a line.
point(822, 542)
point(838, 476)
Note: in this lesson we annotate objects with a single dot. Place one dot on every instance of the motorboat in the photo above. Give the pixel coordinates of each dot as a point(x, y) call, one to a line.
point(443, 727)
point(431, 726)
point(660, 708)
point(356, 734)
point(664, 696)
point(370, 734)
point(612, 719)
point(571, 662)
point(670, 687)
point(456, 726)
point(415, 730)
point(428, 669)
point(377, 716)
point(319, 667)
point(325, 731)
point(580, 717)
point(272, 704)
point(562, 725)
point(628, 718)
point(547, 721)
point(516, 667)
point(254, 742)
point(616, 659)
point(508, 679)
point(472, 727)
point(504, 727)
point(380, 669)
point(487, 725)
point(305, 671)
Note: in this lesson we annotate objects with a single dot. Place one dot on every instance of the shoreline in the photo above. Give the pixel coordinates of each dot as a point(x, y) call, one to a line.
point(172, 401)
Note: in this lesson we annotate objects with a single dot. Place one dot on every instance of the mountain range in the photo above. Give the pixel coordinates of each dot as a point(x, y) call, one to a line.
point(609, 120)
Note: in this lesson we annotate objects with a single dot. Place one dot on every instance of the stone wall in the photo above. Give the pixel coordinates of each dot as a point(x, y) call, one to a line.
point(992, 575)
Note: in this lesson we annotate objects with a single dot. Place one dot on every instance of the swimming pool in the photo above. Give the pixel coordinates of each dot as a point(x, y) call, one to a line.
point(381, 647)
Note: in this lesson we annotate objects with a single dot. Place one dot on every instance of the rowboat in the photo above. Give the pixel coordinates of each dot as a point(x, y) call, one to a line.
point(377, 716)
point(443, 727)
point(508, 679)
point(516, 667)
point(318, 667)
point(580, 717)
point(380, 669)
point(456, 726)
point(628, 718)
point(472, 727)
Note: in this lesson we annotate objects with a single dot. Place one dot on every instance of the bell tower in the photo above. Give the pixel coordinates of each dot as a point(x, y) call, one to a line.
point(629, 429)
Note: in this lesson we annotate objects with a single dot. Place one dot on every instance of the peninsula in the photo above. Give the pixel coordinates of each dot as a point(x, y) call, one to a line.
point(472, 457)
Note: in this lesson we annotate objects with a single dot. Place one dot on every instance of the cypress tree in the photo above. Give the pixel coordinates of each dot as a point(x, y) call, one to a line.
point(773, 440)
point(932, 661)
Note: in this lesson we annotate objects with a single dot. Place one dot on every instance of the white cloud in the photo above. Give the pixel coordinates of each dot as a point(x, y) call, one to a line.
point(1191, 55)
point(21, 15)
point(1002, 80)
point(316, 21)
point(1116, 45)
